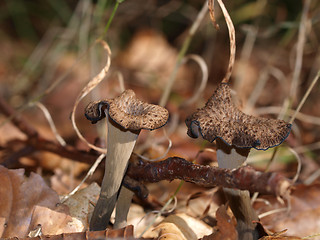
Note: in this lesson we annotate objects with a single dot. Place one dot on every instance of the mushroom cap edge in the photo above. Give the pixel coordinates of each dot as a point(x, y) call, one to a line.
point(220, 118)
point(128, 112)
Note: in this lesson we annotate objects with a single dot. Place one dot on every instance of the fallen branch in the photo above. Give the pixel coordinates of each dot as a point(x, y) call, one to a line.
point(244, 178)
point(16, 118)
point(41, 144)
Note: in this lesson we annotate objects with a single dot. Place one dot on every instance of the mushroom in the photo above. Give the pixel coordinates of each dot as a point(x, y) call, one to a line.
point(236, 133)
point(126, 116)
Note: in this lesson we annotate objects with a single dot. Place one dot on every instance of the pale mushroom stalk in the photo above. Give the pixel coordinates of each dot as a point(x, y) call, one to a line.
point(236, 133)
point(120, 144)
point(231, 157)
point(126, 116)
point(122, 207)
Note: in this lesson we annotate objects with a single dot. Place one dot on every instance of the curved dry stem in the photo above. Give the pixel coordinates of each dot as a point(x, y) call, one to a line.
point(231, 36)
point(261, 82)
point(300, 48)
point(262, 215)
point(212, 15)
point(251, 35)
point(306, 95)
point(204, 69)
point(173, 197)
point(295, 178)
point(164, 154)
point(88, 88)
point(90, 172)
point(51, 123)
point(259, 87)
point(312, 178)
point(300, 116)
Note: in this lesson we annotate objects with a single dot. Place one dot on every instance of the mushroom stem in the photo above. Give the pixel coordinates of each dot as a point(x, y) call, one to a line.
point(122, 207)
point(231, 157)
point(120, 144)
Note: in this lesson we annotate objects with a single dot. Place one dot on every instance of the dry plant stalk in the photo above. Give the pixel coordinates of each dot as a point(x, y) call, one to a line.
point(91, 85)
point(231, 36)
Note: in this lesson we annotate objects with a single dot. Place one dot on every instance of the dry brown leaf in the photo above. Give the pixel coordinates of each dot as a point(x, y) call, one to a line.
point(201, 204)
point(20, 201)
point(226, 226)
point(302, 219)
point(151, 57)
point(182, 226)
point(55, 221)
point(81, 204)
point(123, 233)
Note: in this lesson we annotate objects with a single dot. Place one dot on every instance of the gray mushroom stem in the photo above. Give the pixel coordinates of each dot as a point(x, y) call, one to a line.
point(120, 144)
point(122, 208)
point(231, 157)
point(126, 116)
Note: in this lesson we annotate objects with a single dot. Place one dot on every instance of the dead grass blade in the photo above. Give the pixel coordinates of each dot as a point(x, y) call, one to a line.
point(231, 36)
point(306, 95)
point(91, 85)
point(204, 69)
point(300, 48)
point(51, 123)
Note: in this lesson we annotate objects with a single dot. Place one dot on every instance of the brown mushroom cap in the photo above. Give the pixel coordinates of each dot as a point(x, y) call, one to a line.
point(220, 118)
point(129, 112)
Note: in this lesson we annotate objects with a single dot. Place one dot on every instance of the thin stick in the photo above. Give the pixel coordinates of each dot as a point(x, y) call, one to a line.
point(164, 154)
point(300, 47)
point(243, 178)
point(300, 116)
point(306, 95)
point(51, 123)
point(89, 174)
point(205, 73)
point(262, 215)
point(295, 178)
point(173, 197)
point(231, 37)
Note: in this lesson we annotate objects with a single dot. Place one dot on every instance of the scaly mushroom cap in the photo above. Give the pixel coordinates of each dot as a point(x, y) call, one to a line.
point(129, 112)
point(220, 118)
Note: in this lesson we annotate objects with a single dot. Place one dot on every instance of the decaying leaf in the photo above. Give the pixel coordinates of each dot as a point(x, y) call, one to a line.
point(123, 233)
point(149, 55)
point(27, 202)
point(302, 219)
point(54, 221)
point(81, 204)
point(226, 226)
point(182, 226)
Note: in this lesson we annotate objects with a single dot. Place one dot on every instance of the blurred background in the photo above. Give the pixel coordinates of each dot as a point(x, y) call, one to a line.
point(48, 54)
